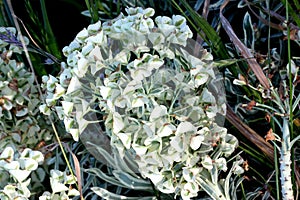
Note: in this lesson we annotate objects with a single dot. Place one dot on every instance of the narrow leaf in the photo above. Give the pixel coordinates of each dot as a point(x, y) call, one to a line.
point(246, 53)
point(111, 196)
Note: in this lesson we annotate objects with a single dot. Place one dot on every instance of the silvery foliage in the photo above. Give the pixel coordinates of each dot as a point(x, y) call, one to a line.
point(153, 99)
point(60, 183)
point(21, 124)
point(15, 168)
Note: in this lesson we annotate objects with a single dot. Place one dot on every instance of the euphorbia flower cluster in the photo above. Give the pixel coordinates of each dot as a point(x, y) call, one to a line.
point(151, 93)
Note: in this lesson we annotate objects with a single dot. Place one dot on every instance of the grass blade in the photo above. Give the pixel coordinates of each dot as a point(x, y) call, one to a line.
point(212, 38)
point(51, 44)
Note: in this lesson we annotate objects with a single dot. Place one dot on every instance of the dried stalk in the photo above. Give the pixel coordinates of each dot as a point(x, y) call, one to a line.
point(244, 50)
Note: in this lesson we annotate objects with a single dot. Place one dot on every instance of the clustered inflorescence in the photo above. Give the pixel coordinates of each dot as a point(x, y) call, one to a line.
point(152, 94)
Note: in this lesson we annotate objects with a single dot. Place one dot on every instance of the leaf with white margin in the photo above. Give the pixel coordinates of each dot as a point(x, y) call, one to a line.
point(177, 143)
point(44, 109)
point(132, 86)
point(10, 165)
point(51, 83)
point(221, 164)
point(67, 107)
point(87, 49)
point(93, 28)
point(178, 20)
point(166, 130)
point(105, 91)
point(82, 35)
point(28, 164)
point(166, 187)
point(69, 179)
point(149, 128)
point(122, 57)
point(196, 142)
point(137, 102)
point(239, 82)
point(7, 154)
point(69, 123)
point(57, 186)
point(82, 123)
point(82, 65)
point(200, 79)
point(212, 111)
point(118, 123)
point(148, 12)
point(139, 150)
point(185, 127)
point(45, 196)
point(166, 29)
point(156, 38)
point(158, 112)
point(207, 162)
point(24, 188)
point(64, 77)
point(73, 192)
point(22, 112)
point(57, 175)
point(120, 101)
point(155, 177)
point(126, 139)
point(140, 73)
point(20, 175)
point(192, 187)
point(207, 97)
point(228, 147)
point(60, 112)
point(74, 85)
point(9, 192)
point(163, 20)
point(37, 156)
point(97, 39)
point(75, 133)
point(96, 54)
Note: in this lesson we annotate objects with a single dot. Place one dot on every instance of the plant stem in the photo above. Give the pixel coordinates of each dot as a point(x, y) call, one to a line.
point(285, 163)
